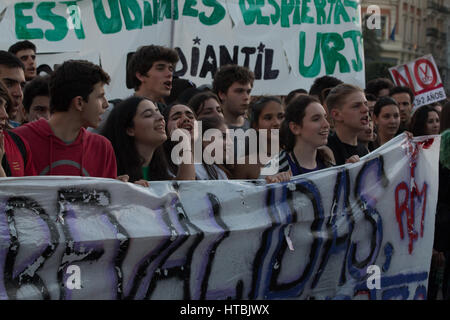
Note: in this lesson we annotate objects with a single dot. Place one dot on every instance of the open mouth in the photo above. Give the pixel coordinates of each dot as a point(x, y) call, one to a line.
point(365, 120)
point(187, 127)
point(168, 85)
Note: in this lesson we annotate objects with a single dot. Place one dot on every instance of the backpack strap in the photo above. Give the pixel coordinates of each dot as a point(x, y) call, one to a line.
point(19, 143)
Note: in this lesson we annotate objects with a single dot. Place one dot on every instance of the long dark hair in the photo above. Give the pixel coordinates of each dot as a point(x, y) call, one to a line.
point(419, 120)
point(212, 123)
point(197, 102)
point(128, 158)
point(295, 112)
point(169, 144)
point(258, 106)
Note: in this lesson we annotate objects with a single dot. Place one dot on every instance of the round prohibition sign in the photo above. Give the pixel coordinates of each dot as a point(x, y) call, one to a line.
point(425, 73)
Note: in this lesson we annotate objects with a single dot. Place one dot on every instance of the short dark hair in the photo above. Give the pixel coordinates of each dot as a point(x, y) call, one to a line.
point(292, 94)
point(371, 97)
point(9, 60)
point(382, 102)
point(402, 89)
point(22, 45)
point(36, 87)
point(71, 79)
point(376, 85)
point(142, 61)
point(229, 74)
point(320, 86)
point(419, 120)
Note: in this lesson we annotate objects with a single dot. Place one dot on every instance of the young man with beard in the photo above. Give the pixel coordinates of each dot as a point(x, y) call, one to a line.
point(405, 98)
point(13, 76)
point(61, 145)
point(26, 52)
point(347, 106)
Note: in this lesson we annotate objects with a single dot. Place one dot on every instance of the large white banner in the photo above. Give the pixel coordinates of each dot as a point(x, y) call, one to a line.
point(359, 231)
point(287, 43)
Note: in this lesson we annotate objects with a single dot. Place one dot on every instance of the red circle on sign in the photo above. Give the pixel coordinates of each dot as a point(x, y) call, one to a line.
point(423, 78)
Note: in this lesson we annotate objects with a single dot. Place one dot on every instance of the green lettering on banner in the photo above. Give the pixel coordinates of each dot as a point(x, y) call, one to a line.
point(287, 6)
point(216, 16)
point(188, 10)
point(133, 6)
point(314, 69)
point(305, 10)
point(339, 12)
point(44, 11)
point(148, 14)
point(332, 43)
point(22, 32)
point(275, 16)
point(76, 19)
point(354, 5)
point(320, 11)
point(249, 15)
point(332, 3)
point(105, 24)
point(354, 34)
point(164, 9)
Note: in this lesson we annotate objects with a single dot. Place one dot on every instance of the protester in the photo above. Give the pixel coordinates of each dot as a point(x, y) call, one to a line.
point(322, 86)
point(445, 117)
point(305, 133)
point(233, 85)
point(405, 98)
point(368, 136)
point(294, 94)
point(206, 104)
point(26, 52)
point(15, 155)
point(379, 87)
point(178, 116)
point(371, 100)
point(425, 121)
point(36, 99)
point(214, 168)
point(12, 75)
point(347, 106)
point(267, 113)
point(137, 131)
point(179, 86)
point(387, 120)
point(439, 276)
point(61, 145)
point(150, 72)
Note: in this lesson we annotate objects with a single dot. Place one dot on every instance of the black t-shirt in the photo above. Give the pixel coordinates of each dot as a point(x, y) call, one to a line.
point(343, 151)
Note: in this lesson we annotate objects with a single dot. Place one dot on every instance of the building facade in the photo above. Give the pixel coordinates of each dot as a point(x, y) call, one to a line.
point(413, 28)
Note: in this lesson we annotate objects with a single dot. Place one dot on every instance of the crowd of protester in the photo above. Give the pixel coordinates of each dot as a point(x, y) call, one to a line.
point(54, 124)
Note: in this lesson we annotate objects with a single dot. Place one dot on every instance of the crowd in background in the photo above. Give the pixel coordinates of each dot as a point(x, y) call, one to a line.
point(62, 123)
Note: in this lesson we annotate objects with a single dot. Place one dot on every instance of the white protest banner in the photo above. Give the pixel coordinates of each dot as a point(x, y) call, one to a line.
point(422, 76)
point(286, 43)
point(360, 231)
